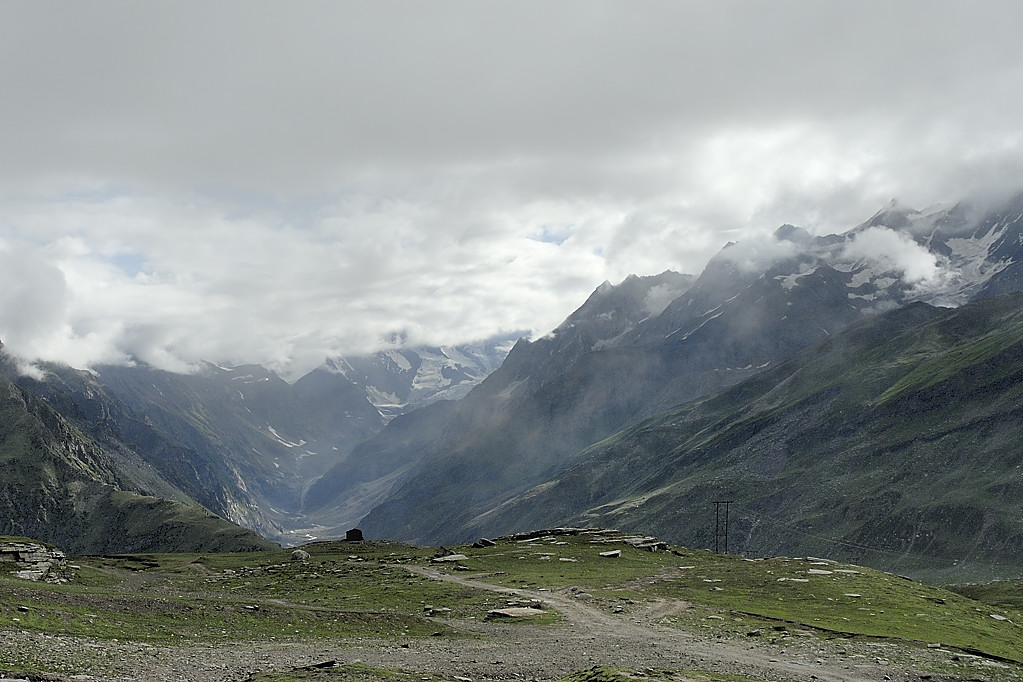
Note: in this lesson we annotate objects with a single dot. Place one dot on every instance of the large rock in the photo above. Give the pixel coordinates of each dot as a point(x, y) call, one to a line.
point(450, 558)
point(35, 561)
point(514, 612)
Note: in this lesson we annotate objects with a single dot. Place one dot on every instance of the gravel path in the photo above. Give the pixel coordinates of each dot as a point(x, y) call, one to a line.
point(588, 636)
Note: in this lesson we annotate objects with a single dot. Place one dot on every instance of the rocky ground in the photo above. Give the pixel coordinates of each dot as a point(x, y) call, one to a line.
point(589, 634)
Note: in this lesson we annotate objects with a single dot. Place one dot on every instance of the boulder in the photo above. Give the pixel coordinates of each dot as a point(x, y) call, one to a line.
point(354, 535)
point(514, 612)
point(300, 555)
point(35, 561)
point(450, 557)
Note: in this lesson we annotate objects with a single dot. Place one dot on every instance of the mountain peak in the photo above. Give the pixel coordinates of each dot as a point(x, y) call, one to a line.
point(791, 233)
point(894, 215)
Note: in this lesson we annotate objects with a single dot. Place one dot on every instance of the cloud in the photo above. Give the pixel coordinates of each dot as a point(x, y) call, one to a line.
point(894, 251)
point(245, 181)
point(33, 297)
point(760, 252)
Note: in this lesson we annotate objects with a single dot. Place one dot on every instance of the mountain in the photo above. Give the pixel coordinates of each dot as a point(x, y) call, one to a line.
point(262, 438)
point(613, 364)
point(895, 443)
point(399, 380)
point(142, 454)
point(504, 401)
point(240, 440)
point(379, 441)
point(60, 487)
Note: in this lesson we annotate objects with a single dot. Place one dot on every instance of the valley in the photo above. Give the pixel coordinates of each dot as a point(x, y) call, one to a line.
point(845, 404)
point(560, 342)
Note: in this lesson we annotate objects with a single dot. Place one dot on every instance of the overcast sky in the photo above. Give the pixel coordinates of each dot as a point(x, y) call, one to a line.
point(279, 182)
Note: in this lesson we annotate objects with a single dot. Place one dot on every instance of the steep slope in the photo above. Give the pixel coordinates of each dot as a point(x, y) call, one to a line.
point(149, 459)
point(240, 440)
point(896, 444)
point(555, 396)
point(265, 438)
point(59, 487)
point(505, 402)
point(341, 497)
point(608, 367)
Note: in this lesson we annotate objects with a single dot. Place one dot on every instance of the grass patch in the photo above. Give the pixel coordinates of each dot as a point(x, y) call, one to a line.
point(830, 599)
point(343, 590)
point(838, 600)
point(1005, 594)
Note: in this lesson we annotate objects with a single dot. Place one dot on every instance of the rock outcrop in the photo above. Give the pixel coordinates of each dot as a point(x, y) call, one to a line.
point(34, 561)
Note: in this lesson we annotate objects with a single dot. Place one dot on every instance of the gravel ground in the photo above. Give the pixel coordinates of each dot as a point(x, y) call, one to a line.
point(590, 635)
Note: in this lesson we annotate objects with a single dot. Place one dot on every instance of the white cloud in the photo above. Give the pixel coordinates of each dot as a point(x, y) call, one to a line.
point(894, 251)
point(258, 182)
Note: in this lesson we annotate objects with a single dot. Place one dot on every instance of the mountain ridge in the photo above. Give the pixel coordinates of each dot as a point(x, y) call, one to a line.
point(60, 487)
point(800, 449)
point(342, 446)
point(752, 308)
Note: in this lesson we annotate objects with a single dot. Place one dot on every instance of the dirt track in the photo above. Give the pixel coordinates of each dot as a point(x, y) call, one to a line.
point(591, 635)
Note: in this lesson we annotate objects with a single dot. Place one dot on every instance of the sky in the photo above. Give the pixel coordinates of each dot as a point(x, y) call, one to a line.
point(250, 181)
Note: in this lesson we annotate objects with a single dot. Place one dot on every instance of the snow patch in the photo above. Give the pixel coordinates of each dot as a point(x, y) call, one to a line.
point(790, 282)
point(283, 441)
point(398, 359)
point(699, 326)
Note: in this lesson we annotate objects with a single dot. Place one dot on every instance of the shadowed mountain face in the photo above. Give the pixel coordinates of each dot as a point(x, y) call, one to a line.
point(240, 441)
point(59, 487)
point(896, 444)
point(613, 363)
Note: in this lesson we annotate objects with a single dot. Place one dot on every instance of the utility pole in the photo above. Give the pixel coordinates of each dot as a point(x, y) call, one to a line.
point(717, 522)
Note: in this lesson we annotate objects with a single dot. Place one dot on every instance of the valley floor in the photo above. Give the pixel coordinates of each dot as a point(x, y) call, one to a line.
point(588, 634)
